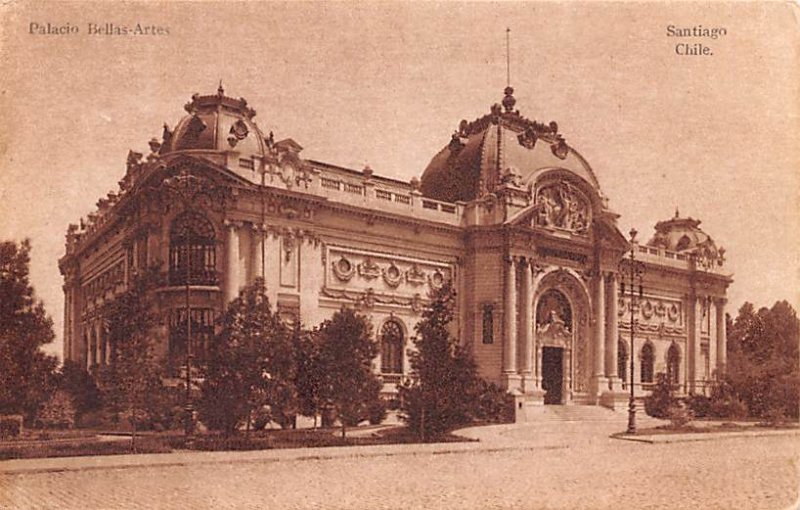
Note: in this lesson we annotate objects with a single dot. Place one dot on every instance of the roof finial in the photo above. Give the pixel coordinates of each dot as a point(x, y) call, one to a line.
point(508, 100)
point(220, 90)
point(508, 57)
point(677, 214)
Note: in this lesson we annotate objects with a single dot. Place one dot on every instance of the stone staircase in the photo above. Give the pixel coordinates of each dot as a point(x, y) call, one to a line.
point(582, 413)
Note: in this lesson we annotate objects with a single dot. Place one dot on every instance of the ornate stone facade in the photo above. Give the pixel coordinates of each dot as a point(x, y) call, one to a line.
point(508, 211)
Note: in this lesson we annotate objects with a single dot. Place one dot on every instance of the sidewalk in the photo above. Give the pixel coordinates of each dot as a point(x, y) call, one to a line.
point(187, 458)
point(491, 438)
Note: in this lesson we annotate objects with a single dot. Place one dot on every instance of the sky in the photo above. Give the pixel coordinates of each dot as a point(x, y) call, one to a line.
point(386, 84)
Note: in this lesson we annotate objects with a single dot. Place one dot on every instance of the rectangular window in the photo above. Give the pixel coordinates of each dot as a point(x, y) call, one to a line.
point(488, 324)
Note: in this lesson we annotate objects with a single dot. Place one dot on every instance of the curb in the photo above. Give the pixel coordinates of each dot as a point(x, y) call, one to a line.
point(701, 436)
point(252, 457)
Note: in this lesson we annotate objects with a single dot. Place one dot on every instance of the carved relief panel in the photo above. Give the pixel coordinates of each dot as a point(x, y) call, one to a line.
point(652, 313)
point(371, 278)
point(561, 205)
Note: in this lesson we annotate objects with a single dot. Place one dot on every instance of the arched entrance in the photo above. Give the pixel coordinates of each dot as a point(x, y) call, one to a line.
point(561, 321)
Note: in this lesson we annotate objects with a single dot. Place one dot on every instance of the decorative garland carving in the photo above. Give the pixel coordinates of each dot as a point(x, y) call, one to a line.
point(369, 298)
point(436, 280)
point(343, 269)
point(392, 275)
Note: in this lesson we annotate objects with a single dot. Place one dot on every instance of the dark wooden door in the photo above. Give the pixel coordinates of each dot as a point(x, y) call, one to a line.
point(552, 374)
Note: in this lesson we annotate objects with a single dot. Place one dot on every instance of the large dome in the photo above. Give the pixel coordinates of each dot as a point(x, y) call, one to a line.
point(216, 123)
point(500, 145)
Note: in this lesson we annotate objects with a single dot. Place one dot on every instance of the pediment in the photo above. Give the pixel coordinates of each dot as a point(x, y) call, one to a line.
point(602, 228)
point(559, 205)
point(201, 167)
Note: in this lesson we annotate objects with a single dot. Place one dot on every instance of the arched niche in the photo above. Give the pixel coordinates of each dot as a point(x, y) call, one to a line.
point(561, 317)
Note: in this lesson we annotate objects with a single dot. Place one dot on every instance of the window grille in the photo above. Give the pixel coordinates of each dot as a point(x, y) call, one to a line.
point(392, 348)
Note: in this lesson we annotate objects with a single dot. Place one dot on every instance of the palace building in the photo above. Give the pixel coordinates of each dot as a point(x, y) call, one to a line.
point(508, 211)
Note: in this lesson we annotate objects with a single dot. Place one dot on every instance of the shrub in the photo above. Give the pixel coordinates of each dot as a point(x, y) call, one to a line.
point(377, 411)
point(10, 426)
point(774, 416)
point(261, 418)
point(495, 405)
point(90, 420)
point(660, 401)
point(81, 388)
point(699, 405)
point(57, 412)
point(679, 415)
point(724, 403)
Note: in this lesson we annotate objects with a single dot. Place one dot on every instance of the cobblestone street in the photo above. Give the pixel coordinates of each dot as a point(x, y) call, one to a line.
point(556, 466)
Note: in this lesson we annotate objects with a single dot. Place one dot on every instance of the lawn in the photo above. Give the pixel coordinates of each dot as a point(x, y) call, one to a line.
point(709, 427)
point(84, 442)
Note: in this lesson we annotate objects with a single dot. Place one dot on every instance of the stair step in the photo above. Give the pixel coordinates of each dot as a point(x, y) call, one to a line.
point(573, 413)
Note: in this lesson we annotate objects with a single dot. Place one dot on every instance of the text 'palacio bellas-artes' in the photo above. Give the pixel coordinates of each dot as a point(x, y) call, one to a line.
point(507, 210)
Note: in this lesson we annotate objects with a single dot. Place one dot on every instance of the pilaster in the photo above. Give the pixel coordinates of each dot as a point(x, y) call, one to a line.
point(232, 277)
point(510, 373)
point(722, 337)
point(526, 325)
point(599, 381)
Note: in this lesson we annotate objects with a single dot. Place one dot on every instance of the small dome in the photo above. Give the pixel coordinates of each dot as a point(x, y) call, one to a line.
point(683, 235)
point(499, 147)
point(217, 123)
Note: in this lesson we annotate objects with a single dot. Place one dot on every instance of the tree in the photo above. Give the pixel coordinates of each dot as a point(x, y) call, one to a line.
point(131, 385)
point(26, 377)
point(250, 365)
point(78, 383)
point(763, 364)
point(310, 373)
point(346, 353)
point(445, 392)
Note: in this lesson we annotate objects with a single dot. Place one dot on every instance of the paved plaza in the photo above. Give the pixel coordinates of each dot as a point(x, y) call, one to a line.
point(539, 465)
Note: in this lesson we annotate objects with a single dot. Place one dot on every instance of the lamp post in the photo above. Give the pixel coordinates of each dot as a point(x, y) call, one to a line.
point(186, 187)
point(632, 272)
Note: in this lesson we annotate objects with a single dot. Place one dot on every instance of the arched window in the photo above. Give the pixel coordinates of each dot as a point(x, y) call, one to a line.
point(673, 364)
point(192, 252)
point(392, 348)
point(683, 243)
point(622, 361)
point(553, 306)
point(648, 359)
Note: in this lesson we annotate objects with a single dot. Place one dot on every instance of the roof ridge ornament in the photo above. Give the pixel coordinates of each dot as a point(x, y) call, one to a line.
point(508, 100)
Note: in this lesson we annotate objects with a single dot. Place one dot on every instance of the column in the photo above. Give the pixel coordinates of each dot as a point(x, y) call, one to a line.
point(87, 343)
point(612, 333)
point(510, 315)
point(258, 251)
point(232, 262)
point(101, 345)
point(106, 347)
point(598, 371)
point(526, 324)
point(722, 337)
point(693, 355)
point(67, 349)
point(95, 345)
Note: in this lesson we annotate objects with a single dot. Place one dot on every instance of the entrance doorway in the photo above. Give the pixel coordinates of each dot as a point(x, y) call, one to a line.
point(552, 374)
